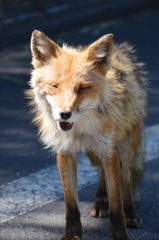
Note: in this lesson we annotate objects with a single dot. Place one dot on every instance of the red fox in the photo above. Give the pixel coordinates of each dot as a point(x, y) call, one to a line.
point(92, 99)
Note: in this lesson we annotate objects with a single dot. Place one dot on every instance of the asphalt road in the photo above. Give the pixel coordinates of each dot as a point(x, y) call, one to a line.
point(22, 156)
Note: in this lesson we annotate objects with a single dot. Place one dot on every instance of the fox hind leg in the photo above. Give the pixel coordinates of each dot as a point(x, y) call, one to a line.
point(131, 155)
point(137, 169)
point(136, 176)
point(100, 206)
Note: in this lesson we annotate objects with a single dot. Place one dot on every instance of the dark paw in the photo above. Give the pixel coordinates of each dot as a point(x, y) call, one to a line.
point(100, 207)
point(133, 222)
point(71, 238)
point(120, 237)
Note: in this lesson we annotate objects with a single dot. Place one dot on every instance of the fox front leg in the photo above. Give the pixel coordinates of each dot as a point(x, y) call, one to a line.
point(68, 172)
point(111, 167)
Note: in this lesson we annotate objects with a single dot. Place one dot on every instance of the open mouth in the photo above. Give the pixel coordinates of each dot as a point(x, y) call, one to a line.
point(65, 126)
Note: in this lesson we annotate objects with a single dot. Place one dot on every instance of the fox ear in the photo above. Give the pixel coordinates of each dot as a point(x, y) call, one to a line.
point(100, 51)
point(43, 49)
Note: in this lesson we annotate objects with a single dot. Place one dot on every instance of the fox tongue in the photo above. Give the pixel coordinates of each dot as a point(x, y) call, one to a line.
point(65, 126)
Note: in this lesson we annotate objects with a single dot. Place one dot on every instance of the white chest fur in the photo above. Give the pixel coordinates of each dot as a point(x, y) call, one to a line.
point(83, 137)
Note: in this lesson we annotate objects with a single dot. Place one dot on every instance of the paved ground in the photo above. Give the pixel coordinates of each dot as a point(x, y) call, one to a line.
point(22, 155)
point(18, 19)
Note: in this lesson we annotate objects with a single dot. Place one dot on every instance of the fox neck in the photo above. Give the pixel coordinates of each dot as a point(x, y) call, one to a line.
point(85, 135)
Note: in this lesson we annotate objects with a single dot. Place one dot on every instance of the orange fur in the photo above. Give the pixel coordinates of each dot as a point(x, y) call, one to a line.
point(93, 100)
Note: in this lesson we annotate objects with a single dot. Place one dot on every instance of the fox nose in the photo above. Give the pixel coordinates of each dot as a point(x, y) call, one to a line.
point(65, 114)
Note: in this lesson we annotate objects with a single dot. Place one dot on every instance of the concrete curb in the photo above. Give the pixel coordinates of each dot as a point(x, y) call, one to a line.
point(67, 16)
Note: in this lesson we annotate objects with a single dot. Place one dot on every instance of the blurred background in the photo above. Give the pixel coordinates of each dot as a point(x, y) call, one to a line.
point(18, 18)
point(74, 22)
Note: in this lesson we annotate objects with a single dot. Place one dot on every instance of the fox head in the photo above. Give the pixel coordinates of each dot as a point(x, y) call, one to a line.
point(70, 80)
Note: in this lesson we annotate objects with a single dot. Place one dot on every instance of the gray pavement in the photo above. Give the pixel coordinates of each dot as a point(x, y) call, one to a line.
point(48, 222)
point(21, 154)
point(18, 19)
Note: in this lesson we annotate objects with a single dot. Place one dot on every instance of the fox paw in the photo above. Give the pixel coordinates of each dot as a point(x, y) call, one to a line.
point(121, 238)
point(71, 238)
point(133, 222)
point(100, 207)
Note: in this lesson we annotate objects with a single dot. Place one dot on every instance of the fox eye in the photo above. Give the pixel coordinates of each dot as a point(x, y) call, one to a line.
point(82, 88)
point(54, 86)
